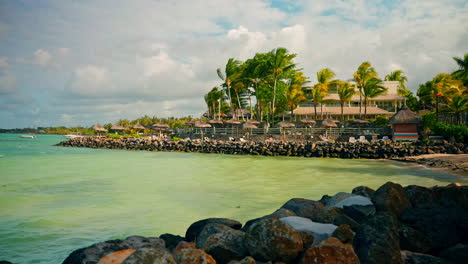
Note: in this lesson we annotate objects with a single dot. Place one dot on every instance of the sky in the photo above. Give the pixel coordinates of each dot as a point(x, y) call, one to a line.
point(78, 62)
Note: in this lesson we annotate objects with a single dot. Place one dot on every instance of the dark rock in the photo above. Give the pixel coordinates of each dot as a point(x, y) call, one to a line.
point(359, 212)
point(417, 258)
point(334, 216)
point(171, 240)
point(320, 231)
point(246, 260)
point(452, 196)
point(303, 207)
point(421, 197)
point(391, 197)
point(195, 228)
point(377, 240)
point(325, 199)
point(413, 240)
point(455, 254)
point(363, 191)
point(5, 262)
point(280, 213)
point(330, 251)
point(337, 198)
point(95, 252)
point(344, 233)
point(271, 239)
point(444, 227)
point(150, 255)
point(222, 243)
point(186, 253)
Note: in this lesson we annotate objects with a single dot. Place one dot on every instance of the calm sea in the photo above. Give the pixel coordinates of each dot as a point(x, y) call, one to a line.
point(54, 200)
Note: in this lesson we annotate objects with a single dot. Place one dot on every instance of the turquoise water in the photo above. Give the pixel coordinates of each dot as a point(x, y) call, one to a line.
point(54, 200)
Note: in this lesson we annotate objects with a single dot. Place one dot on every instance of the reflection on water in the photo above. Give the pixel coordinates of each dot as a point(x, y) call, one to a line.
point(54, 200)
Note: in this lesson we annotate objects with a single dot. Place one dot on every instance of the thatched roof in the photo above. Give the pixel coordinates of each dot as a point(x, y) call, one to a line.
point(214, 121)
point(253, 121)
point(308, 121)
point(189, 123)
point(118, 127)
point(404, 116)
point(201, 124)
point(138, 126)
point(248, 125)
point(328, 123)
point(99, 128)
point(160, 126)
point(233, 121)
point(285, 124)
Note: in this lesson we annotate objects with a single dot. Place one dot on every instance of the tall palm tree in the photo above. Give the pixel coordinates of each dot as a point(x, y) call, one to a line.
point(462, 72)
point(231, 75)
point(281, 63)
point(211, 98)
point(364, 73)
point(317, 93)
point(254, 73)
point(372, 88)
point(325, 80)
point(458, 104)
point(295, 93)
point(399, 76)
point(345, 92)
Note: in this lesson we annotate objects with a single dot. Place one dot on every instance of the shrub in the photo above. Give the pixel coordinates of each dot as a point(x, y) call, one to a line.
point(114, 136)
point(428, 120)
point(460, 133)
point(381, 121)
point(176, 138)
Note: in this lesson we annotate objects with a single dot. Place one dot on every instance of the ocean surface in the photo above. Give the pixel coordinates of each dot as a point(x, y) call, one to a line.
point(54, 200)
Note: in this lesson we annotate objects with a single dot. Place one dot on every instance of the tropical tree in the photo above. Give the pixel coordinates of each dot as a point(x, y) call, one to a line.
point(296, 91)
point(256, 72)
point(325, 81)
point(212, 98)
point(345, 92)
point(399, 76)
point(372, 88)
point(232, 74)
point(317, 93)
point(462, 72)
point(281, 63)
point(458, 104)
point(364, 73)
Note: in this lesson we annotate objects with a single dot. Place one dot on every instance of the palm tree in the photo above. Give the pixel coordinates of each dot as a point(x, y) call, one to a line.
point(364, 73)
point(295, 93)
point(232, 73)
point(318, 93)
point(458, 104)
point(281, 63)
point(372, 88)
point(345, 92)
point(325, 80)
point(254, 73)
point(211, 98)
point(399, 76)
point(462, 72)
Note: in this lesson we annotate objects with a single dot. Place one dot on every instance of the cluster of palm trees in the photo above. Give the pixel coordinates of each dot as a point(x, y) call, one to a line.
point(447, 92)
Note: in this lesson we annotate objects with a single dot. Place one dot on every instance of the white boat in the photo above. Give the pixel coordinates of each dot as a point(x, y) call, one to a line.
point(72, 136)
point(27, 136)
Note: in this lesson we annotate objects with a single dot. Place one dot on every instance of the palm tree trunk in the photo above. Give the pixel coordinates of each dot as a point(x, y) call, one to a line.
point(274, 96)
point(342, 115)
point(315, 110)
point(360, 103)
point(365, 107)
point(214, 109)
point(240, 107)
point(250, 104)
point(321, 110)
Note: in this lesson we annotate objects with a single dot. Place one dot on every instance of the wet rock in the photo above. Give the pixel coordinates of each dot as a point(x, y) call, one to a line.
point(171, 241)
point(391, 197)
point(359, 212)
point(363, 191)
point(282, 212)
point(246, 260)
point(444, 227)
point(222, 243)
point(455, 254)
point(186, 253)
point(5, 262)
point(95, 252)
point(334, 216)
point(417, 258)
point(150, 255)
point(377, 240)
point(271, 239)
point(320, 231)
point(344, 233)
point(337, 198)
point(421, 197)
point(195, 228)
point(452, 196)
point(330, 251)
point(303, 207)
point(413, 240)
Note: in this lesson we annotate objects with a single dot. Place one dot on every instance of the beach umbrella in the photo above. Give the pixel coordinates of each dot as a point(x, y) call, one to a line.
point(117, 127)
point(201, 124)
point(327, 123)
point(214, 122)
point(98, 128)
point(138, 126)
point(253, 121)
point(248, 125)
point(160, 127)
point(307, 122)
point(233, 122)
point(284, 124)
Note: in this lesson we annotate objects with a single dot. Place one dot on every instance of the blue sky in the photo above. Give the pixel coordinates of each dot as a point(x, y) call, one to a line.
point(69, 63)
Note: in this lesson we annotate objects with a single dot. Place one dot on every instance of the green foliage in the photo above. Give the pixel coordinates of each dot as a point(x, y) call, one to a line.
point(114, 136)
point(460, 133)
point(381, 121)
point(176, 138)
point(428, 119)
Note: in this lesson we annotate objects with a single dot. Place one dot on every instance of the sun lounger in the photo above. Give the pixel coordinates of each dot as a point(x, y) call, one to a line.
point(352, 140)
point(363, 139)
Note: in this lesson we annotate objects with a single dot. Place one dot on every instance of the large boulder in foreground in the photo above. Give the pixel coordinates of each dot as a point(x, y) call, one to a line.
point(303, 207)
point(391, 197)
point(452, 195)
point(455, 253)
point(271, 239)
point(318, 230)
point(171, 240)
point(421, 197)
point(363, 191)
point(330, 251)
point(186, 253)
point(94, 253)
point(195, 228)
point(149, 256)
point(377, 240)
point(334, 215)
point(409, 257)
point(222, 243)
point(280, 213)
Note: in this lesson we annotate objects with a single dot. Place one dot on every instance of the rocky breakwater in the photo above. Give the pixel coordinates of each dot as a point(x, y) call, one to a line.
point(392, 224)
point(376, 150)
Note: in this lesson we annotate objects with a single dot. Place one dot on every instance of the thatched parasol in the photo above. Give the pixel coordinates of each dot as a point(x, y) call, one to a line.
point(285, 124)
point(201, 124)
point(159, 126)
point(189, 123)
point(328, 123)
point(248, 125)
point(138, 126)
point(233, 121)
point(117, 127)
point(215, 122)
point(253, 121)
point(359, 122)
point(99, 128)
point(404, 116)
point(308, 121)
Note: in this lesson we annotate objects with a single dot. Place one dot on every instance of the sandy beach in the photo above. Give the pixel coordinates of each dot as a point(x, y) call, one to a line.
point(454, 163)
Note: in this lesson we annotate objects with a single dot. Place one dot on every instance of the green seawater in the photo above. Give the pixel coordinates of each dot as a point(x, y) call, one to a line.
point(54, 200)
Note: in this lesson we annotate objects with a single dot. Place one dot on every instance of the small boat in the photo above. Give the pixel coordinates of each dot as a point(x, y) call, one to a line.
point(27, 136)
point(72, 136)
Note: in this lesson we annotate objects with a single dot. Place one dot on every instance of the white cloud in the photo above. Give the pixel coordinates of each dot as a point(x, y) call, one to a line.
point(91, 80)
point(42, 57)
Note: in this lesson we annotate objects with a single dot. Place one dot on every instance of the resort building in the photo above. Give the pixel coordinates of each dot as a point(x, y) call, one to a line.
point(386, 104)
